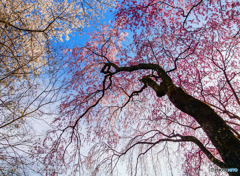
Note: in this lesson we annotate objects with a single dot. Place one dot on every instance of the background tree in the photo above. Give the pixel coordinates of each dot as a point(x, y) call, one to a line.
point(176, 82)
point(28, 27)
point(31, 65)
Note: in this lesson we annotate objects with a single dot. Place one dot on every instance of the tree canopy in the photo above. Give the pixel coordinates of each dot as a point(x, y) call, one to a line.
point(158, 85)
point(176, 81)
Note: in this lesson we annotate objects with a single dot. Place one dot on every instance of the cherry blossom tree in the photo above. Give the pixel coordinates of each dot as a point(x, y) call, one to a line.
point(28, 31)
point(28, 27)
point(170, 92)
point(30, 56)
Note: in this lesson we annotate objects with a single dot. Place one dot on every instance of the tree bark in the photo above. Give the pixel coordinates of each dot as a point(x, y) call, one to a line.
point(227, 144)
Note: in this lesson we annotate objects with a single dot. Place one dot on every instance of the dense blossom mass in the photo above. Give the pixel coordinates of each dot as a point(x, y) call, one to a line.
point(171, 91)
point(28, 27)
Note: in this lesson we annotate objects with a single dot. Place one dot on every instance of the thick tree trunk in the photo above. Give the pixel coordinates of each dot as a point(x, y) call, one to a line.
point(227, 144)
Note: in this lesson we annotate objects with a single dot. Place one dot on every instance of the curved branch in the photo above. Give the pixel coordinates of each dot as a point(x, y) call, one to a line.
point(203, 149)
point(183, 139)
point(213, 125)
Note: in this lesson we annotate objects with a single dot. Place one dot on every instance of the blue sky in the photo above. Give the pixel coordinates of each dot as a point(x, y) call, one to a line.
point(78, 40)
